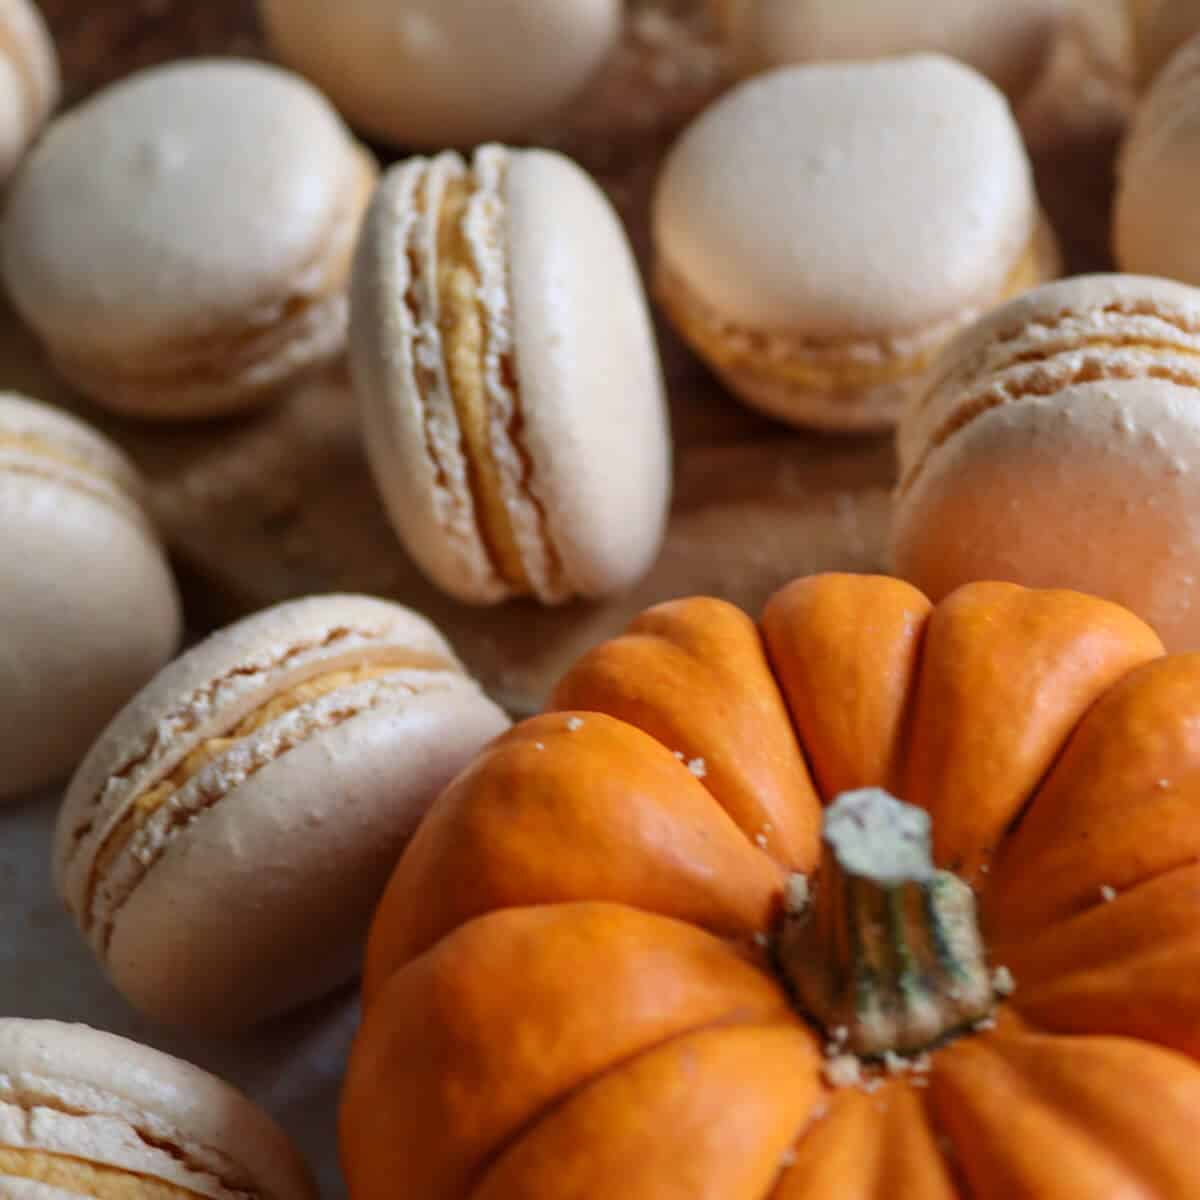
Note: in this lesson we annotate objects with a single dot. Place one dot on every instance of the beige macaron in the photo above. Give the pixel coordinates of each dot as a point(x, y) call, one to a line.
point(1009, 42)
point(224, 843)
point(85, 1113)
point(29, 79)
point(822, 231)
point(508, 376)
point(1059, 446)
point(1161, 27)
point(182, 241)
point(88, 608)
point(435, 73)
point(1156, 219)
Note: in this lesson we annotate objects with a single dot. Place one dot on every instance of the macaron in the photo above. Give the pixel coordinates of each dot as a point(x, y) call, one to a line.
point(435, 73)
point(1161, 27)
point(88, 608)
point(86, 1113)
point(1010, 43)
point(182, 241)
point(29, 79)
point(225, 841)
point(1059, 446)
point(509, 381)
point(823, 230)
point(1156, 221)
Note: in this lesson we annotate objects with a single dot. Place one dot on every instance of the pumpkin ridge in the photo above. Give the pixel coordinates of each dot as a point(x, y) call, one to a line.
point(728, 1021)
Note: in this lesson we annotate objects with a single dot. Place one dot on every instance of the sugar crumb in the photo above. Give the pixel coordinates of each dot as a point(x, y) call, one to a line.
point(844, 1070)
point(761, 939)
point(574, 723)
point(698, 768)
point(872, 1085)
point(1003, 981)
point(984, 1025)
point(539, 745)
point(896, 1064)
point(788, 1158)
point(761, 840)
point(679, 754)
point(1163, 784)
point(922, 1064)
point(1108, 894)
point(797, 896)
point(841, 1034)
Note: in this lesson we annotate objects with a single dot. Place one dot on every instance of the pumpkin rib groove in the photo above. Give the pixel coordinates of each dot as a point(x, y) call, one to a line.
point(625, 1064)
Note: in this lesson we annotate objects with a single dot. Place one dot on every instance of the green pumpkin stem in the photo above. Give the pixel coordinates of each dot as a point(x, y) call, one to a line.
point(888, 954)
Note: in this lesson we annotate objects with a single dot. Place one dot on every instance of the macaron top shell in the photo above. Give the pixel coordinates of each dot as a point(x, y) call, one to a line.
point(29, 78)
point(207, 690)
point(1156, 223)
point(74, 1091)
point(848, 200)
point(439, 73)
point(1008, 42)
point(178, 202)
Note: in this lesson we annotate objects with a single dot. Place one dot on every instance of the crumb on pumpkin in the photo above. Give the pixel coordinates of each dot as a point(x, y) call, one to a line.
point(1163, 784)
point(574, 723)
point(679, 754)
point(539, 745)
point(788, 1158)
point(698, 767)
point(984, 1025)
point(1108, 894)
point(760, 840)
point(1003, 981)
point(761, 939)
point(797, 896)
point(844, 1070)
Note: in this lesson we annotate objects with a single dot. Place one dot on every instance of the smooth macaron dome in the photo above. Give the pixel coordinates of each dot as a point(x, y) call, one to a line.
point(1059, 446)
point(29, 79)
point(508, 376)
point(88, 609)
point(86, 1113)
point(434, 73)
point(1010, 43)
point(225, 841)
point(1156, 222)
point(823, 230)
point(182, 240)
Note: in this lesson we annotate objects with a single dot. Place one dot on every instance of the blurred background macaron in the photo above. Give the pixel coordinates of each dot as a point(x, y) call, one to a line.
point(88, 607)
point(224, 843)
point(508, 376)
point(29, 79)
point(434, 73)
point(1009, 42)
point(86, 1113)
point(1160, 28)
point(1059, 446)
point(1156, 215)
point(822, 231)
point(182, 240)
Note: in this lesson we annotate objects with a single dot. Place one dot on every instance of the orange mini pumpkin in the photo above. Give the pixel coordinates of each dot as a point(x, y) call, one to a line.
point(674, 941)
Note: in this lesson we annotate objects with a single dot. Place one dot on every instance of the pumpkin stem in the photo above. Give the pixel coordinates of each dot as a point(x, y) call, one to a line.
point(888, 956)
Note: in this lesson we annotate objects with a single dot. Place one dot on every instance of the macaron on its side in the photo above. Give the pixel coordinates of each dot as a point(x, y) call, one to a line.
point(93, 611)
point(436, 73)
point(505, 363)
point(1010, 43)
point(1058, 448)
point(29, 79)
point(1156, 226)
point(182, 240)
point(239, 819)
point(823, 230)
point(86, 1113)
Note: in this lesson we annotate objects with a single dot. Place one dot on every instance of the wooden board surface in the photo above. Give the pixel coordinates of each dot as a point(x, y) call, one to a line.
point(281, 504)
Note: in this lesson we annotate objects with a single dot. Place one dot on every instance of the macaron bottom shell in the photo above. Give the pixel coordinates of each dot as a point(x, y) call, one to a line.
point(1095, 488)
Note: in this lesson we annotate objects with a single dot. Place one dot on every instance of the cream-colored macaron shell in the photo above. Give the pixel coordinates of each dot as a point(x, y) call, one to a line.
point(434, 73)
point(1161, 27)
point(88, 607)
point(1156, 220)
point(1059, 446)
point(29, 79)
point(1009, 42)
point(823, 230)
point(225, 842)
point(182, 240)
point(86, 1113)
point(507, 371)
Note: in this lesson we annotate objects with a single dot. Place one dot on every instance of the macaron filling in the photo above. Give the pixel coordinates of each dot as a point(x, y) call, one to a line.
point(1121, 341)
point(346, 693)
point(305, 324)
point(822, 365)
point(98, 1180)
